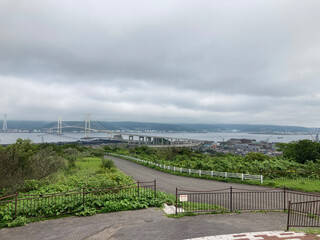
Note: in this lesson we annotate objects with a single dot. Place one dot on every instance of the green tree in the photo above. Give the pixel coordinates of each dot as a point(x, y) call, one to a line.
point(25, 161)
point(301, 151)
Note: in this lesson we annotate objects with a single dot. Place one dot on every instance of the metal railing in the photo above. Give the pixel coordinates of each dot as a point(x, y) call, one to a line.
point(190, 171)
point(46, 205)
point(232, 199)
point(304, 214)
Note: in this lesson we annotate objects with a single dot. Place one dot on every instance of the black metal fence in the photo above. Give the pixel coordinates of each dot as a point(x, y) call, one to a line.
point(232, 199)
point(45, 205)
point(304, 214)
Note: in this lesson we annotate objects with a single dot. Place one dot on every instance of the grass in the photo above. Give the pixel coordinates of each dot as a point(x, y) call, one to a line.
point(87, 173)
point(301, 184)
point(307, 230)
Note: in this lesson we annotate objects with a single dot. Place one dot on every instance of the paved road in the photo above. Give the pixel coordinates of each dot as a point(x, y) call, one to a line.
point(145, 224)
point(168, 182)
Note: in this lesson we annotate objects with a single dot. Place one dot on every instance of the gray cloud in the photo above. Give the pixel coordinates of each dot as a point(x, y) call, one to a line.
point(173, 61)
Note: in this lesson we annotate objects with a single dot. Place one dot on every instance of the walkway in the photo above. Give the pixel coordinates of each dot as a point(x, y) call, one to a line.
point(145, 224)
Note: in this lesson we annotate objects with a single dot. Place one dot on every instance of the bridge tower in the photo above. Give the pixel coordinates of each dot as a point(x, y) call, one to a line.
point(5, 127)
point(59, 129)
point(87, 126)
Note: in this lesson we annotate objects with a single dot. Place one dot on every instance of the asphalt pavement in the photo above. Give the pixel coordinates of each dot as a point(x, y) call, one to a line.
point(144, 225)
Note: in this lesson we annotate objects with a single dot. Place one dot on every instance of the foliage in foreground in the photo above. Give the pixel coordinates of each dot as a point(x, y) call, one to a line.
point(46, 167)
point(85, 168)
point(95, 203)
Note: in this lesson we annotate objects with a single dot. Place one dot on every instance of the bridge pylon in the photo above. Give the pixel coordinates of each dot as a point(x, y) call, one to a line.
point(5, 126)
point(59, 129)
point(87, 126)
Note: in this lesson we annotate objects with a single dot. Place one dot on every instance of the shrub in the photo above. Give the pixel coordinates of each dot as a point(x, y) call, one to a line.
point(19, 221)
point(107, 163)
point(87, 212)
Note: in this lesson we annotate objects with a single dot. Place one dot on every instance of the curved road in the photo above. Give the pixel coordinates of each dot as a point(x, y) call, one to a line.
point(167, 182)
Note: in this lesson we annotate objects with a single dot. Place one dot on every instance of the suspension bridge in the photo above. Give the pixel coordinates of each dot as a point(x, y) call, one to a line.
point(129, 138)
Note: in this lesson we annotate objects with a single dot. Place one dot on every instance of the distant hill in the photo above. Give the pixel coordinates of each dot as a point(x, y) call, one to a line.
point(247, 128)
point(163, 127)
point(24, 125)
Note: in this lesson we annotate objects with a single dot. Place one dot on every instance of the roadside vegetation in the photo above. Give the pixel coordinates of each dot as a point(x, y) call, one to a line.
point(298, 168)
point(28, 168)
point(47, 168)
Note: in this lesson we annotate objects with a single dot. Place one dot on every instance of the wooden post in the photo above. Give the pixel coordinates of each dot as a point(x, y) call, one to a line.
point(138, 189)
point(155, 188)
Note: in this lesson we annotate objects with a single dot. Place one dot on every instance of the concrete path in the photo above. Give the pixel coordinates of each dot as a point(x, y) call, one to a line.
point(167, 182)
point(145, 224)
point(270, 235)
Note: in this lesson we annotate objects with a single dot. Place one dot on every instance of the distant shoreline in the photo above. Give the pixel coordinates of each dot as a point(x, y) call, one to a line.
point(262, 133)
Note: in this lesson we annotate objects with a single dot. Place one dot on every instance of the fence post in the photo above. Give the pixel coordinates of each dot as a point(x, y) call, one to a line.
point(174, 169)
point(16, 205)
point(288, 220)
point(83, 198)
point(225, 174)
point(180, 170)
point(231, 199)
point(155, 188)
point(138, 189)
point(200, 172)
point(261, 178)
point(211, 173)
point(176, 200)
point(242, 176)
point(189, 171)
point(284, 198)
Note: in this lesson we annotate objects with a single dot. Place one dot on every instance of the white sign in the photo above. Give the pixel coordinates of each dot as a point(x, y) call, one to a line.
point(183, 198)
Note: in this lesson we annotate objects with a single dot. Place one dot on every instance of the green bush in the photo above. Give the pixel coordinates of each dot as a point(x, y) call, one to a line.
point(107, 163)
point(19, 221)
point(87, 212)
point(5, 218)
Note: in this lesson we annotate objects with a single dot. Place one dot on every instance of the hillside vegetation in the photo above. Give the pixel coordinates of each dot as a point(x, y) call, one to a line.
point(47, 168)
point(298, 168)
point(44, 169)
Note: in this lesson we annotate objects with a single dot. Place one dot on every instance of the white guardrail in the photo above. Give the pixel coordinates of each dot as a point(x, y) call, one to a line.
point(241, 176)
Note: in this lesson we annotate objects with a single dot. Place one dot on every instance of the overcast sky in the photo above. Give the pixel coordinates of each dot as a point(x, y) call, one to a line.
point(214, 61)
